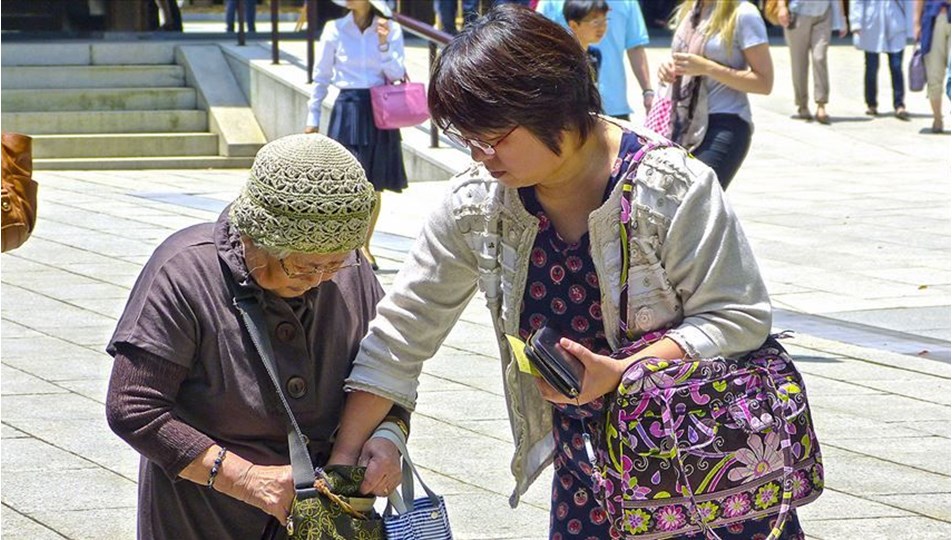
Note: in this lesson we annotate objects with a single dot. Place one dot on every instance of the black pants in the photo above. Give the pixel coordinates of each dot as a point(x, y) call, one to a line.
point(895, 72)
point(725, 145)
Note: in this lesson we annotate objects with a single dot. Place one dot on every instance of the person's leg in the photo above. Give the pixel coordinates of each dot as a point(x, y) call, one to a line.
point(898, 85)
point(869, 82)
point(251, 11)
point(725, 146)
point(936, 62)
point(799, 43)
point(819, 43)
point(470, 11)
point(448, 16)
point(230, 8)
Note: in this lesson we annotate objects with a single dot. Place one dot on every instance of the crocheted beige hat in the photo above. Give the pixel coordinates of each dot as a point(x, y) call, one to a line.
point(306, 194)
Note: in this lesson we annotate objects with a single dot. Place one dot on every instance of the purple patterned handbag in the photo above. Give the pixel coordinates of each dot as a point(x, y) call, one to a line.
point(694, 445)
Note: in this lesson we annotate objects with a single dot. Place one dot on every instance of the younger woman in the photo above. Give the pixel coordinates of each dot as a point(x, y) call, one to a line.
point(358, 51)
point(734, 60)
point(534, 224)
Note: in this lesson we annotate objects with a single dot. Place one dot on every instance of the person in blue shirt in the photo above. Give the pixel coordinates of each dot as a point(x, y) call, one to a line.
point(588, 20)
point(626, 35)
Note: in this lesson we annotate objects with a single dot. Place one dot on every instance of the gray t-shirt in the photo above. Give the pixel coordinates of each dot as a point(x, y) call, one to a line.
point(748, 32)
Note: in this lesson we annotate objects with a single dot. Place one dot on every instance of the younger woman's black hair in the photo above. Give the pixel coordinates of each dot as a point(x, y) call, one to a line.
point(514, 67)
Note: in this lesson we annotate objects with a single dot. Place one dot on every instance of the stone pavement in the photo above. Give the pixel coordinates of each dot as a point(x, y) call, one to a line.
point(850, 224)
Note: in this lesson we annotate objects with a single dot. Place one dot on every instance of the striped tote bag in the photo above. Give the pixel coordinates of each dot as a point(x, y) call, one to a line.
point(406, 518)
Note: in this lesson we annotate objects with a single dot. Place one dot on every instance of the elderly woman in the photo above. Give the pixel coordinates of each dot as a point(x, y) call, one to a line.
point(188, 388)
point(534, 225)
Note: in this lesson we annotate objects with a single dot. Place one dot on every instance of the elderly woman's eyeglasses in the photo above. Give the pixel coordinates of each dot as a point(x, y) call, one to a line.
point(482, 146)
point(352, 261)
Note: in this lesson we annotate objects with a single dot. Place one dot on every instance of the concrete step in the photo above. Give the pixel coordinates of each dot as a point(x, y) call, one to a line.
point(125, 145)
point(130, 76)
point(139, 163)
point(97, 99)
point(46, 123)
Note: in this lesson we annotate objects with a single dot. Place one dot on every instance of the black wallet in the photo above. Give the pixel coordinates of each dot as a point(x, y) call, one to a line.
point(559, 368)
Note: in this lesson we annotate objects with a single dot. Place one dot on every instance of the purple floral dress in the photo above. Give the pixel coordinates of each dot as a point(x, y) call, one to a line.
point(563, 292)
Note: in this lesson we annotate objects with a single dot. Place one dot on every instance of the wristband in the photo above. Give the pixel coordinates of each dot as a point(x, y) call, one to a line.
point(404, 428)
point(647, 92)
point(383, 47)
point(216, 466)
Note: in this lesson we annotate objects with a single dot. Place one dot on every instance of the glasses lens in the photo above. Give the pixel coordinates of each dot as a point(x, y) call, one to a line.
point(456, 138)
point(485, 148)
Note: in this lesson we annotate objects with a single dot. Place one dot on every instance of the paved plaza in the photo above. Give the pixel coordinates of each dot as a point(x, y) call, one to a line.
point(850, 224)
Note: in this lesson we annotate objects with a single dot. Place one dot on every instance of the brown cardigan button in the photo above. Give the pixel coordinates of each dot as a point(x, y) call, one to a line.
point(285, 332)
point(297, 387)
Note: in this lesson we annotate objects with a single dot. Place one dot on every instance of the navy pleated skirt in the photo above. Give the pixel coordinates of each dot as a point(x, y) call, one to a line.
point(378, 150)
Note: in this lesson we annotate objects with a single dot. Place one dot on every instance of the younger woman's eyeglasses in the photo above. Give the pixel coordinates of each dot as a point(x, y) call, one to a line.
point(482, 146)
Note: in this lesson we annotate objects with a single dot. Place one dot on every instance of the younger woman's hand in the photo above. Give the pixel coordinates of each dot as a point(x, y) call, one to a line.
point(690, 64)
point(602, 375)
point(783, 15)
point(666, 72)
point(383, 30)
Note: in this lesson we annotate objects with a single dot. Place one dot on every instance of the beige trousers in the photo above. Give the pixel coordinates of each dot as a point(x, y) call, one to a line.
point(937, 58)
point(809, 39)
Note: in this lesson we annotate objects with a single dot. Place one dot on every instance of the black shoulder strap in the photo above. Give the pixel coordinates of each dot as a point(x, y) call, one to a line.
point(302, 468)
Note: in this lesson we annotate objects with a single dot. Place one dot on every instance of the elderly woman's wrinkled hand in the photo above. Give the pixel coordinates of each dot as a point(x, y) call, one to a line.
point(270, 488)
point(602, 375)
point(382, 460)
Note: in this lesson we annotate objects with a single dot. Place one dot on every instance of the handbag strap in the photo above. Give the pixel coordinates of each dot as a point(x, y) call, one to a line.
point(626, 230)
point(406, 484)
point(302, 469)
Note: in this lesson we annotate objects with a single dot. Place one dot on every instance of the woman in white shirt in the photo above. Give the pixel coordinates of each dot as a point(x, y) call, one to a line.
point(356, 52)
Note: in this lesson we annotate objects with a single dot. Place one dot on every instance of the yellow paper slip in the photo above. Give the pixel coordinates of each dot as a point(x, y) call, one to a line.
point(519, 350)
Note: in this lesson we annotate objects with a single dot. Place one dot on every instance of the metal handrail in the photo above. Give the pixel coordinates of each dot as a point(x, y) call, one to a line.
point(434, 38)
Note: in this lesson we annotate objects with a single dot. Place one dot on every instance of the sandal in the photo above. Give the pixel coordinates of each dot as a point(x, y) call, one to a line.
point(822, 117)
point(804, 114)
point(902, 113)
point(937, 127)
point(871, 111)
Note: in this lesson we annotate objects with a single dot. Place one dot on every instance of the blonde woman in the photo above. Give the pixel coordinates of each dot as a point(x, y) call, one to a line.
point(734, 61)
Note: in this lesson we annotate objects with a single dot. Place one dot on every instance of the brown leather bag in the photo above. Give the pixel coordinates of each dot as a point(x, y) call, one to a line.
point(19, 190)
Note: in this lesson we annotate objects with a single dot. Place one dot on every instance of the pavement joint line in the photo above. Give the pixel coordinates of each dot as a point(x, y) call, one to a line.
point(471, 387)
point(108, 232)
point(818, 348)
point(477, 486)
point(54, 383)
point(97, 466)
point(93, 348)
point(463, 428)
point(879, 391)
point(34, 520)
point(66, 271)
point(57, 300)
point(877, 458)
point(912, 513)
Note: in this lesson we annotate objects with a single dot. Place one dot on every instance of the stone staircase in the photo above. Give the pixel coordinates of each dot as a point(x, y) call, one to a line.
point(98, 106)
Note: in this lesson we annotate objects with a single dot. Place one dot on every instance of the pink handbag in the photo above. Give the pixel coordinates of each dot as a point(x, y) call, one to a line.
point(399, 104)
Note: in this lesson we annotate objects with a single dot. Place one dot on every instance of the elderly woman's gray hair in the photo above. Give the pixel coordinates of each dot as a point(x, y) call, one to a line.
point(306, 194)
